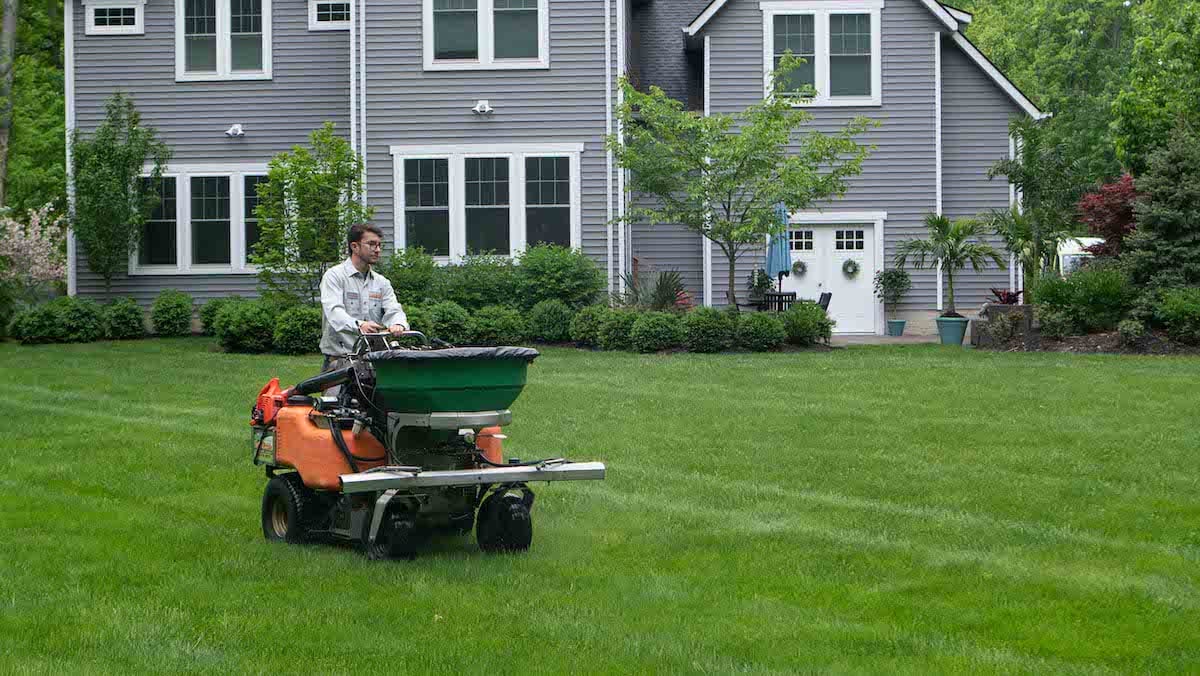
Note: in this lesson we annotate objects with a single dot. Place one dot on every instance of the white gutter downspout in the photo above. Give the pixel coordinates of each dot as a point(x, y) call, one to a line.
point(69, 96)
point(937, 134)
point(354, 76)
point(362, 101)
point(1012, 204)
point(624, 254)
point(608, 156)
point(706, 243)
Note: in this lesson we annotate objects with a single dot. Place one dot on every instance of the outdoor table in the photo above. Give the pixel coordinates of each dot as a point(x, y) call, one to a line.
point(779, 301)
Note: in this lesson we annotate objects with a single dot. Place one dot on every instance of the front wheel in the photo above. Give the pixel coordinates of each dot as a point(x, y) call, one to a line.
point(284, 505)
point(504, 524)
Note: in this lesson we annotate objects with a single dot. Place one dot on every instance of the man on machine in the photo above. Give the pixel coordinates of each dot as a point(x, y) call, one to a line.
point(355, 299)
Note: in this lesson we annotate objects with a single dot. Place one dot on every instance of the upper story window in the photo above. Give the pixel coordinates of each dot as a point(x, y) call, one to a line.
point(328, 16)
point(486, 34)
point(115, 17)
point(222, 40)
point(840, 41)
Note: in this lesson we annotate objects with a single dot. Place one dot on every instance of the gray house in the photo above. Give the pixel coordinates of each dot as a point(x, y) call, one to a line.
point(482, 123)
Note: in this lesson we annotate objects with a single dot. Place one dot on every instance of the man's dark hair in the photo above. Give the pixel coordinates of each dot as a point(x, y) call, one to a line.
point(358, 230)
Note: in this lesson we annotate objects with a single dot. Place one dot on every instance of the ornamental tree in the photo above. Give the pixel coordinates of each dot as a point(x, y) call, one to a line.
point(1108, 213)
point(723, 175)
point(1164, 250)
point(31, 254)
point(955, 244)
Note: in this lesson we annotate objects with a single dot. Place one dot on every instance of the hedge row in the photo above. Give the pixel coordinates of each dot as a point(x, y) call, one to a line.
point(76, 320)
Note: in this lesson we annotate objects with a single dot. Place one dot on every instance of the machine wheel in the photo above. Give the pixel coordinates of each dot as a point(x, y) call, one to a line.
point(285, 507)
point(397, 537)
point(504, 524)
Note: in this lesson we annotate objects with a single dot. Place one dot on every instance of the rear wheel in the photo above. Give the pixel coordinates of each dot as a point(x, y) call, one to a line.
point(397, 536)
point(504, 524)
point(285, 507)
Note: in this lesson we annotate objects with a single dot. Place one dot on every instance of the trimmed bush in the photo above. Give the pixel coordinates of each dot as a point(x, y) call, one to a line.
point(210, 310)
point(760, 331)
point(82, 319)
point(656, 331)
point(418, 319)
point(477, 282)
point(585, 325)
point(448, 321)
point(615, 328)
point(298, 331)
point(171, 314)
point(708, 330)
point(124, 319)
point(807, 324)
point(1094, 298)
point(497, 325)
point(557, 273)
point(550, 322)
point(38, 325)
point(1054, 325)
point(246, 327)
point(411, 273)
point(1132, 331)
point(1180, 312)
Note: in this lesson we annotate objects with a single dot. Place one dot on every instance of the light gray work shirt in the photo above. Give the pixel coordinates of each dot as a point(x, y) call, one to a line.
point(349, 297)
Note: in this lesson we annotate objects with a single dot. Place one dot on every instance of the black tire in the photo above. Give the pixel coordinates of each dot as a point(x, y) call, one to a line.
point(285, 507)
point(397, 537)
point(504, 524)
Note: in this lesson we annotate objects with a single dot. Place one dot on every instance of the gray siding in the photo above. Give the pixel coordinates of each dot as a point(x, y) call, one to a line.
point(311, 84)
point(975, 115)
point(566, 104)
point(661, 247)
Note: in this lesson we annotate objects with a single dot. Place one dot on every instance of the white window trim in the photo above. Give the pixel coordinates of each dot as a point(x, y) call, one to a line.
point(314, 25)
point(820, 11)
point(877, 218)
point(486, 60)
point(456, 156)
point(183, 220)
point(138, 28)
point(224, 56)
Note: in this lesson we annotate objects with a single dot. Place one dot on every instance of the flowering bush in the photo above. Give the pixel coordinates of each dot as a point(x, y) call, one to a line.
point(31, 254)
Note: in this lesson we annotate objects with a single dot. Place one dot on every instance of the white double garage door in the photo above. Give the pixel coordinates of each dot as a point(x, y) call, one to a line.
point(830, 252)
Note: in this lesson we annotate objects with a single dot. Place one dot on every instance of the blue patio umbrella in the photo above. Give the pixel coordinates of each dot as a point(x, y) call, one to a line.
point(779, 258)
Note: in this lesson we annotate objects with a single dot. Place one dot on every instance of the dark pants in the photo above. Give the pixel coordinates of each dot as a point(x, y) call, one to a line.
point(332, 364)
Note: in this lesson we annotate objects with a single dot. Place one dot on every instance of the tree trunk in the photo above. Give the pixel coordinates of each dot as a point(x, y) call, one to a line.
point(950, 309)
point(731, 289)
point(8, 52)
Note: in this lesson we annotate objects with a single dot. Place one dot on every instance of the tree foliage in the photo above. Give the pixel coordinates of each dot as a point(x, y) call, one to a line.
point(31, 257)
point(306, 206)
point(955, 244)
point(37, 142)
point(1108, 213)
point(1164, 250)
point(111, 201)
point(723, 175)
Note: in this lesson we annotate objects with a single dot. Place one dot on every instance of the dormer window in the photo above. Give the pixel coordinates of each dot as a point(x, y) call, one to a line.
point(222, 40)
point(486, 34)
point(840, 42)
point(328, 16)
point(115, 17)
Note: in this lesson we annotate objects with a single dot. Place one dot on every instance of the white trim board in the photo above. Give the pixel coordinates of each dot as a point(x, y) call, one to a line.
point(224, 69)
point(69, 103)
point(608, 155)
point(705, 243)
point(484, 149)
point(711, 10)
point(485, 31)
point(314, 25)
point(89, 17)
point(999, 78)
point(958, 14)
point(821, 10)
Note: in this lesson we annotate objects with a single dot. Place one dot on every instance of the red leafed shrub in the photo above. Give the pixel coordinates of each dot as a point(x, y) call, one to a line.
point(1108, 213)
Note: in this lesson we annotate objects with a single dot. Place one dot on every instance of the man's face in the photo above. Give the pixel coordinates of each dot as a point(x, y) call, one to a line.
point(369, 248)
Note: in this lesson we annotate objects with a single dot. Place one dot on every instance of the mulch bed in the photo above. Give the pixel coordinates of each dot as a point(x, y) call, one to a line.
point(1109, 342)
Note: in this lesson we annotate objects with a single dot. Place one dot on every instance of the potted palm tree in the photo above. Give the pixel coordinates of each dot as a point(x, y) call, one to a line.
point(890, 286)
point(955, 244)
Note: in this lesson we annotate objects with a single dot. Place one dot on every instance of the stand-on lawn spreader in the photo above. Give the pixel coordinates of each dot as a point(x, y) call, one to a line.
point(410, 446)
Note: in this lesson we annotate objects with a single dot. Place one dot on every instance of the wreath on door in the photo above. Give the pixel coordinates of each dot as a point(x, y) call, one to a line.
point(799, 268)
point(850, 268)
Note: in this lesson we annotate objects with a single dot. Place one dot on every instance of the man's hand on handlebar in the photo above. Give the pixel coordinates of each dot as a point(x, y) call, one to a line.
point(397, 329)
point(370, 327)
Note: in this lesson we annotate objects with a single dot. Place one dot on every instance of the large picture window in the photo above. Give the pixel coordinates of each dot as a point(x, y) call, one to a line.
point(498, 199)
point(222, 39)
point(486, 34)
point(840, 41)
point(157, 243)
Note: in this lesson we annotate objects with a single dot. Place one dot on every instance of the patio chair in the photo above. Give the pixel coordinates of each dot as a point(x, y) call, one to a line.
point(823, 301)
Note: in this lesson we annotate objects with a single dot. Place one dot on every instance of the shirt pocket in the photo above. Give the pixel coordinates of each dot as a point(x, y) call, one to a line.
point(375, 309)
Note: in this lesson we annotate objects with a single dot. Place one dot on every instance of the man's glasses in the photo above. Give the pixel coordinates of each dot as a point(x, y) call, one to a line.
point(376, 246)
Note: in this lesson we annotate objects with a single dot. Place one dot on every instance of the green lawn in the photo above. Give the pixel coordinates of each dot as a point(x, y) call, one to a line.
point(908, 509)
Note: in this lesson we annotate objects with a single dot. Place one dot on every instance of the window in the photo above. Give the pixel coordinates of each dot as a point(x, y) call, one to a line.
point(800, 240)
point(486, 34)
point(461, 199)
point(328, 16)
point(114, 17)
point(222, 40)
point(840, 40)
point(848, 240)
point(204, 221)
point(157, 243)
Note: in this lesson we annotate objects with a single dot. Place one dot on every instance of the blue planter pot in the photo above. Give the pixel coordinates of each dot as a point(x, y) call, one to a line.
point(952, 330)
point(895, 327)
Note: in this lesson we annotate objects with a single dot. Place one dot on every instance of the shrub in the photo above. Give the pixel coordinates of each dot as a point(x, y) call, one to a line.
point(655, 331)
point(246, 327)
point(557, 273)
point(8, 305)
point(497, 325)
point(760, 331)
point(298, 331)
point(124, 319)
point(1180, 312)
point(1131, 331)
point(210, 310)
point(1094, 298)
point(36, 325)
point(171, 314)
point(448, 321)
point(615, 328)
point(550, 322)
point(806, 324)
point(585, 326)
point(1054, 324)
point(418, 319)
point(708, 330)
point(656, 292)
point(82, 319)
point(477, 282)
point(411, 272)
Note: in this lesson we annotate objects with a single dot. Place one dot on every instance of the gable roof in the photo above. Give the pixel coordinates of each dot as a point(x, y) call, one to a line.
point(952, 18)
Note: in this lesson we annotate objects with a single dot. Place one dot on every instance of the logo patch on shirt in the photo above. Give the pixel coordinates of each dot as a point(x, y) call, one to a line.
point(376, 296)
point(353, 295)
